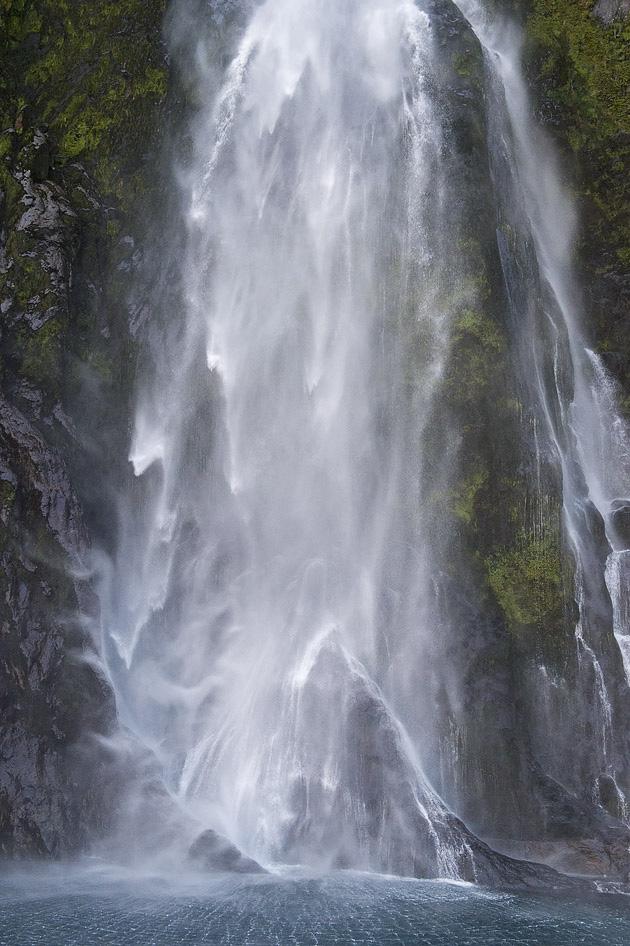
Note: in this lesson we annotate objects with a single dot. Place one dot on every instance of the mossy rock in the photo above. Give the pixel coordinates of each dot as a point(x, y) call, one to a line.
point(93, 73)
point(529, 580)
point(580, 71)
point(42, 356)
point(476, 345)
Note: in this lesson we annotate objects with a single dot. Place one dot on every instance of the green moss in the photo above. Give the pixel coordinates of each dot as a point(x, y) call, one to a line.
point(31, 279)
point(588, 62)
point(93, 77)
point(474, 325)
point(11, 188)
point(464, 498)
point(527, 581)
point(113, 229)
point(19, 19)
point(41, 361)
point(585, 72)
point(7, 495)
point(94, 73)
point(467, 64)
point(6, 144)
point(476, 342)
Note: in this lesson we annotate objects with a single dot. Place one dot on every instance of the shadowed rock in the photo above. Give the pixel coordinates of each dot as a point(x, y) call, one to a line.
point(381, 813)
point(620, 521)
point(212, 852)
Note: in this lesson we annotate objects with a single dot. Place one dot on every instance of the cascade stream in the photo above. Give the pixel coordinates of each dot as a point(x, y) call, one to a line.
point(277, 620)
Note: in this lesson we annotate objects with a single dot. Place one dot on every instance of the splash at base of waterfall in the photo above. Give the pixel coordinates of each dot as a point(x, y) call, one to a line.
point(284, 572)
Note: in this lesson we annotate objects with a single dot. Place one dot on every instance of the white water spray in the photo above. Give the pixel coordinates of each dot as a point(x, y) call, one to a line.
point(279, 584)
point(269, 614)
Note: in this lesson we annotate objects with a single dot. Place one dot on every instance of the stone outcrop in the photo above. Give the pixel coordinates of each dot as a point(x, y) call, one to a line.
point(67, 252)
point(212, 852)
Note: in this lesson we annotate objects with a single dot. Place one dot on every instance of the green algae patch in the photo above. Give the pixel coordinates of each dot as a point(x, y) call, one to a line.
point(93, 73)
point(589, 64)
point(465, 497)
point(580, 70)
point(585, 71)
point(41, 361)
point(527, 581)
point(471, 324)
point(476, 343)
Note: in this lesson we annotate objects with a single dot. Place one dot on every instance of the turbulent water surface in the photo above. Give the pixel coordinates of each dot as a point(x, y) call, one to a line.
point(94, 909)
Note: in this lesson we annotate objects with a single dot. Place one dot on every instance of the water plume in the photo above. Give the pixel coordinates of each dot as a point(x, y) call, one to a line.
point(271, 619)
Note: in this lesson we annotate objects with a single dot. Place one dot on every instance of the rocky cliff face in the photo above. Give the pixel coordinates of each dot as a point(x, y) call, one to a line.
point(579, 68)
point(510, 776)
point(81, 88)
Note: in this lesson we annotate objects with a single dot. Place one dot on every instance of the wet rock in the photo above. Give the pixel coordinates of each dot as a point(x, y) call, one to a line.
point(380, 812)
point(212, 852)
point(586, 857)
point(609, 797)
point(595, 527)
point(39, 247)
point(57, 229)
point(575, 822)
point(46, 476)
point(620, 523)
point(37, 156)
point(609, 10)
point(46, 208)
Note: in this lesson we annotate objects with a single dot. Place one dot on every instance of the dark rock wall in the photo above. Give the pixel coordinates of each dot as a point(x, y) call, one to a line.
point(82, 84)
point(511, 764)
point(578, 61)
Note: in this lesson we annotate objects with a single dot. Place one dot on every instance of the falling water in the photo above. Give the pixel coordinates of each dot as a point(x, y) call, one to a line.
point(271, 605)
point(268, 620)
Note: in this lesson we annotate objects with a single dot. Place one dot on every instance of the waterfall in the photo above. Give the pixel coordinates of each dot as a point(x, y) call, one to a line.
point(282, 582)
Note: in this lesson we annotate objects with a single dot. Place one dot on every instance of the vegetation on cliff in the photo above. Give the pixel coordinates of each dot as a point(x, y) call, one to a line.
point(579, 67)
point(93, 73)
point(82, 84)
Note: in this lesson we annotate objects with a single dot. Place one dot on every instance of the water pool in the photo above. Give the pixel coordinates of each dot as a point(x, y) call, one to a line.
point(100, 908)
